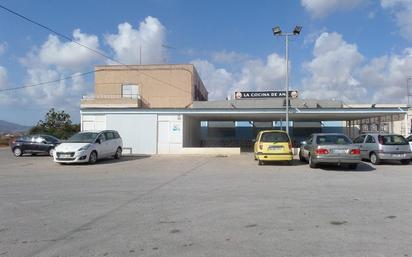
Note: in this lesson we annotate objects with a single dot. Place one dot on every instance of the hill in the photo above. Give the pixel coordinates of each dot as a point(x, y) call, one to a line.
point(9, 127)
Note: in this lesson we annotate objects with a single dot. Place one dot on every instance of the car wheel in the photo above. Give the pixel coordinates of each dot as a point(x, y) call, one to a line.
point(93, 157)
point(118, 153)
point(17, 152)
point(301, 158)
point(311, 163)
point(353, 166)
point(51, 151)
point(405, 162)
point(375, 160)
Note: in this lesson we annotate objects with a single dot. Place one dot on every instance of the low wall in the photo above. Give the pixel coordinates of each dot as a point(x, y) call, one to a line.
point(210, 150)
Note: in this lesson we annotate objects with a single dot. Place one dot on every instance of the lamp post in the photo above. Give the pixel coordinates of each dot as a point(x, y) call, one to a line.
point(278, 32)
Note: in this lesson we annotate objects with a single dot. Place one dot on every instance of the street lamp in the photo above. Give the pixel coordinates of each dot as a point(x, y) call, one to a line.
point(278, 32)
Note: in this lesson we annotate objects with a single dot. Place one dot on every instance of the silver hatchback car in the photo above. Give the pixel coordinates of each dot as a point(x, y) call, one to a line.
point(378, 147)
point(329, 148)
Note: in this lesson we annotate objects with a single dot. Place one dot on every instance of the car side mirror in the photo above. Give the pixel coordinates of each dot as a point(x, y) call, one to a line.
point(98, 141)
point(44, 142)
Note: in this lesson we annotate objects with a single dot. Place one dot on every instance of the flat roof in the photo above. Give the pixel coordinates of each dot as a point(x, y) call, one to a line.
point(266, 103)
point(259, 114)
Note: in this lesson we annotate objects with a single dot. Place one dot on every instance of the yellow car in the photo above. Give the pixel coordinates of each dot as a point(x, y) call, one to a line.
point(273, 145)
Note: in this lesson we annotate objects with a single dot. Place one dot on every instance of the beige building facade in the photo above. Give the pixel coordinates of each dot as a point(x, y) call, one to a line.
point(146, 86)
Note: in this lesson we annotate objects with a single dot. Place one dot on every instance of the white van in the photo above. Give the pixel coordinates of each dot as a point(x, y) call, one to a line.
point(89, 147)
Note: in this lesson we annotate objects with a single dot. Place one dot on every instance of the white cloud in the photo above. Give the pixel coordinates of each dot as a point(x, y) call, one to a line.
point(332, 71)
point(217, 81)
point(338, 71)
point(150, 38)
point(387, 75)
point(69, 55)
point(322, 8)
point(402, 10)
point(253, 75)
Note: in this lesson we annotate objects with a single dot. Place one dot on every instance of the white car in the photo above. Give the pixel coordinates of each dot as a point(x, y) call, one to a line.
point(89, 147)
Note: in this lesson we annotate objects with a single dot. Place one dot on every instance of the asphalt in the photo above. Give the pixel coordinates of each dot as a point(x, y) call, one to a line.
point(202, 206)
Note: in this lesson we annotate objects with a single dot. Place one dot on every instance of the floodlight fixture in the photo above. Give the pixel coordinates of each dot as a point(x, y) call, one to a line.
point(277, 31)
point(297, 29)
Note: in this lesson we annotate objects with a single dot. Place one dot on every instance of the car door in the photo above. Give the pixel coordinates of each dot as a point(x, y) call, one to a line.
point(306, 148)
point(110, 143)
point(409, 139)
point(255, 146)
point(369, 146)
point(43, 144)
point(102, 149)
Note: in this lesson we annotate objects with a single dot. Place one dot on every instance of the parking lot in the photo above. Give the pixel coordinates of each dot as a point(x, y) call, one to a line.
point(202, 206)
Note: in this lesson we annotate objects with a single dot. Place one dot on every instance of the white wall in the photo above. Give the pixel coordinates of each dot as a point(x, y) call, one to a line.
point(138, 131)
point(170, 134)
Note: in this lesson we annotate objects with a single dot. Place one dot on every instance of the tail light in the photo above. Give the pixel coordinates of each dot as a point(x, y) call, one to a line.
point(321, 151)
point(261, 146)
point(290, 146)
point(355, 151)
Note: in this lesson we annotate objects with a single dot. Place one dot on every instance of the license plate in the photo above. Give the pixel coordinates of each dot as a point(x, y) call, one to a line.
point(65, 156)
point(397, 155)
point(274, 147)
point(339, 150)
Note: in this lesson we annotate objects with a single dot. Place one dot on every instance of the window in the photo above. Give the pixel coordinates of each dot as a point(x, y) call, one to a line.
point(274, 137)
point(102, 138)
point(392, 140)
point(116, 135)
point(370, 140)
point(109, 135)
point(359, 140)
point(332, 140)
point(130, 91)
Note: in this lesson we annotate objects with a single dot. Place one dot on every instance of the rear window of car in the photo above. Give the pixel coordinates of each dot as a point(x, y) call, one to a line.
point(274, 137)
point(333, 140)
point(392, 140)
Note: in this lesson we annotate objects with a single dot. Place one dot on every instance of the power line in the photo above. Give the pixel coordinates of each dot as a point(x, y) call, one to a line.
point(48, 82)
point(57, 33)
point(82, 45)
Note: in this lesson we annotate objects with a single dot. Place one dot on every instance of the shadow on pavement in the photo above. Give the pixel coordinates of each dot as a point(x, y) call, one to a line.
point(362, 167)
point(284, 163)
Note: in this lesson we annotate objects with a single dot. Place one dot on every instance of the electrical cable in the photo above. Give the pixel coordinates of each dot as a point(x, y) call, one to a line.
point(82, 45)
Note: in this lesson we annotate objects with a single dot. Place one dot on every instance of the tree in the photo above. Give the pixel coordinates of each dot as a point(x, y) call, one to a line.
point(57, 124)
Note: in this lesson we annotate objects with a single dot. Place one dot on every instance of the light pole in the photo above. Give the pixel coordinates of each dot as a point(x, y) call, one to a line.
point(278, 32)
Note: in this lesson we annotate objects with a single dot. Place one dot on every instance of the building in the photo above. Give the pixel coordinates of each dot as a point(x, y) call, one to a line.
point(164, 109)
point(145, 86)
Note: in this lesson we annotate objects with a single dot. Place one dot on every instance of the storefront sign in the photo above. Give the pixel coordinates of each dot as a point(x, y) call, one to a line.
point(265, 94)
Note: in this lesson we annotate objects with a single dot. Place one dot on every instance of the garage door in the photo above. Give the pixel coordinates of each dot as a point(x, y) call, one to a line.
point(138, 131)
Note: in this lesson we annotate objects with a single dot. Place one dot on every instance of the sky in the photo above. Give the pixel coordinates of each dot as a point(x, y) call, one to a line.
point(357, 51)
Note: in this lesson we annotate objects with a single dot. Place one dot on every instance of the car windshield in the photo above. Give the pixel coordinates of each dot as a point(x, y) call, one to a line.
point(83, 137)
point(392, 140)
point(333, 140)
point(274, 137)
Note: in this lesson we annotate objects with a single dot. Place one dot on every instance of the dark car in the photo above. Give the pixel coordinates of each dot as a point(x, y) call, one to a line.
point(34, 144)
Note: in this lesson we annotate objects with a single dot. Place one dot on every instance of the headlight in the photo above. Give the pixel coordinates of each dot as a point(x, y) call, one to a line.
point(84, 147)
